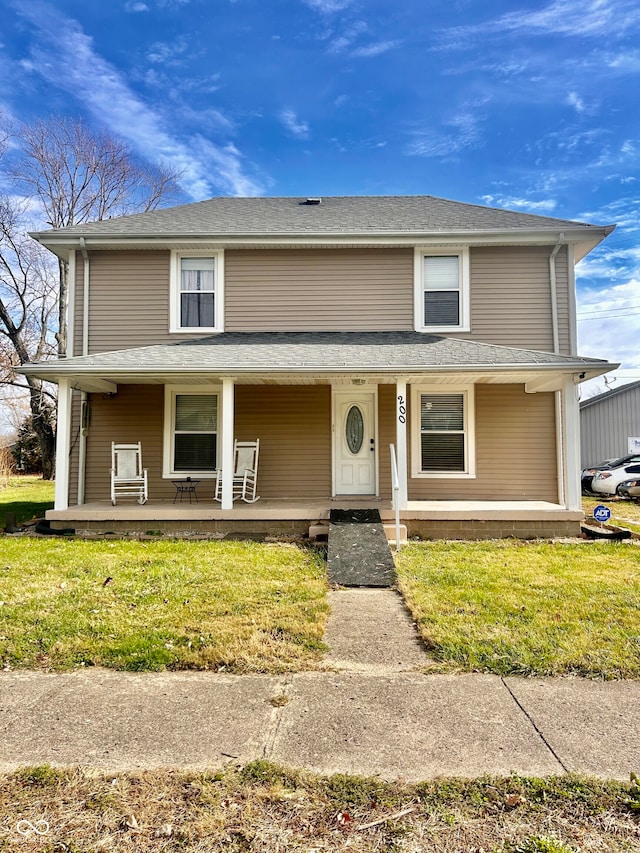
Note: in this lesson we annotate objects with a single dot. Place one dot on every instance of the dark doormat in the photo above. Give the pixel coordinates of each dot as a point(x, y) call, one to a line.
point(359, 553)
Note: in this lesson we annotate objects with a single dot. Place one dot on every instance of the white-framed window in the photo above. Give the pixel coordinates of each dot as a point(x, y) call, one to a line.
point(196, 285)
point(191, 430)
point(441, 289)
point(443, 431)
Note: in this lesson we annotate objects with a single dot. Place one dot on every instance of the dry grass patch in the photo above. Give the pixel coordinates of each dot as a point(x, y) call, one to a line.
point(241, 606)
point(526, 608)
point(264, 809)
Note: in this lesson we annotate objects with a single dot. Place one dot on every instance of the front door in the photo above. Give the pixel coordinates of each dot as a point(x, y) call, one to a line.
point(354, 443)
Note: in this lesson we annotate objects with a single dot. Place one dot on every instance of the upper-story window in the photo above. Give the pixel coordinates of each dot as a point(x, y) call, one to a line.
point(196, 285)
point(441, 290)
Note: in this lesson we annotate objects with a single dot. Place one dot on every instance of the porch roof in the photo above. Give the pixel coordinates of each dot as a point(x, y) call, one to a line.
point(253, 356)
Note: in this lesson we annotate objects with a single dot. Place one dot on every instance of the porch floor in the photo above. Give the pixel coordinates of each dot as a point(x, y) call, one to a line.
point(278, 509)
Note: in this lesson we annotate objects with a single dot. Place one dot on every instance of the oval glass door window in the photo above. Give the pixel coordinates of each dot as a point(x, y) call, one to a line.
point(354, 429)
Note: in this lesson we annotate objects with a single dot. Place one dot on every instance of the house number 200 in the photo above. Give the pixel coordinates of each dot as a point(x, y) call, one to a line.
point(402, 410)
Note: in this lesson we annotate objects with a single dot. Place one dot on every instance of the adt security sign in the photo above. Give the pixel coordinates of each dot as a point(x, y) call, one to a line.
point(602, 513)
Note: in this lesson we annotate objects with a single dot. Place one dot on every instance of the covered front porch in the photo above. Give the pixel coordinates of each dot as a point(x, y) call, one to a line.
point(485, 438)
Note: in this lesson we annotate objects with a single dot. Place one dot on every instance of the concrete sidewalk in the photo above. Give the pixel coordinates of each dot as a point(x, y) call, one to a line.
point(375, 714)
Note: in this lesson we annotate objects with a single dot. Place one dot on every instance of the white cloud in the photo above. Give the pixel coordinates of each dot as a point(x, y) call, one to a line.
point(344, 41)
point(574, 100)
point(562, 17)
point(546, 205)
point(166, 52)
point(375, 49)
point(327, 7)
point(66, 58)
point(464, 133)
point(135, 7)
point(293, 124)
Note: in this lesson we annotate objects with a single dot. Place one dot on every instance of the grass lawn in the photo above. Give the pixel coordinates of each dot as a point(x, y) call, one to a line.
point(28, 497)
point(526, 608)
point(263, 808)
point(244, 606)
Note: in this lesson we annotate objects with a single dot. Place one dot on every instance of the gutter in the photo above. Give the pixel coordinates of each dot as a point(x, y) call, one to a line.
point(45, 370)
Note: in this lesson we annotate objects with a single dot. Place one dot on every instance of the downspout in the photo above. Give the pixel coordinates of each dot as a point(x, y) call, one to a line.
point(554, 293)
point(82, 447)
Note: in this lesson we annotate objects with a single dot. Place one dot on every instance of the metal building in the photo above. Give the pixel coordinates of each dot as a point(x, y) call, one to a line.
point(610, 424)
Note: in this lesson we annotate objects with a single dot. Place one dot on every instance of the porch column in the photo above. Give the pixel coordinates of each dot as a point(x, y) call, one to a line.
point(401, 441)
point(228, 402)
point(63, 445)
point(571, 445)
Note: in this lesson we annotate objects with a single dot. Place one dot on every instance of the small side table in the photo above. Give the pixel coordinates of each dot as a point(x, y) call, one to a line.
point(186, 487)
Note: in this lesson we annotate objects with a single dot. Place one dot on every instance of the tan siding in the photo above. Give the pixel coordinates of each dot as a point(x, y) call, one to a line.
point(346, 290)
point(134, 414)
point(324, 289)
point(75, 445)
point(293, 424)
point(515, 450)
point(515, 442)
point(129, 300)
point(510, 297)
point(386, 436)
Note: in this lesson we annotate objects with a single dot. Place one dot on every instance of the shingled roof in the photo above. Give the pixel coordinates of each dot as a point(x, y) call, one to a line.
point(356, 215)
point(313, 352)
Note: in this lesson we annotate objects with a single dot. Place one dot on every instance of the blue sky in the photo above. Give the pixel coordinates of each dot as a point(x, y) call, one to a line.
point(528, 105)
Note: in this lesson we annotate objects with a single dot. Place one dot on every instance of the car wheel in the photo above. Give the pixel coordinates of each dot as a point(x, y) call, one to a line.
point(619, 493)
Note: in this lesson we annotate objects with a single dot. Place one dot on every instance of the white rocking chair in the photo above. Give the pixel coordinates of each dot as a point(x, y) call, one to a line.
point(128, 478)
point(245, 472)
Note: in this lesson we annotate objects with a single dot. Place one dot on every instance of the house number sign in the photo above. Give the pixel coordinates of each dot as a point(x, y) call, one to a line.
point(402, 409)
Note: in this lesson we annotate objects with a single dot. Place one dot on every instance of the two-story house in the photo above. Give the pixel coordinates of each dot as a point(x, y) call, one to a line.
point(330, 329)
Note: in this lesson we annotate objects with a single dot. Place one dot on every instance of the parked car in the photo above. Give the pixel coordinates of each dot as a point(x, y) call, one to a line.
point(588, 474)
point(630, 488)
point(608, 481)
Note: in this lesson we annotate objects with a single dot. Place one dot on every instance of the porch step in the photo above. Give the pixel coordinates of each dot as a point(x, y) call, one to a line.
point(320, 530)
point(359, 553)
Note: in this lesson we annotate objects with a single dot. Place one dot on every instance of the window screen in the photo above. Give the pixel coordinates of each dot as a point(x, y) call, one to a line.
point(442, 432)
point(196, 432)
point(442, 290)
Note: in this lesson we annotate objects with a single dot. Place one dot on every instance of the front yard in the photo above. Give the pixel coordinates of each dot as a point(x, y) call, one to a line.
point(504, 607)
point(238, 606)
point(527, 608)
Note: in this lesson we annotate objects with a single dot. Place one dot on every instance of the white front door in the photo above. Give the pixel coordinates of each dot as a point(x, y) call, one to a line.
point(354, 442)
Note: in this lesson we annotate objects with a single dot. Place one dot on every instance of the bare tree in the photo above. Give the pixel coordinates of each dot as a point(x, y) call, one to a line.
point(79, 175)
point(28, 289)
point(71, 175)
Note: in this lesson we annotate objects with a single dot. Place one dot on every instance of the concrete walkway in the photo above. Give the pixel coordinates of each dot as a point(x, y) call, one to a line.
point(375, 713)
